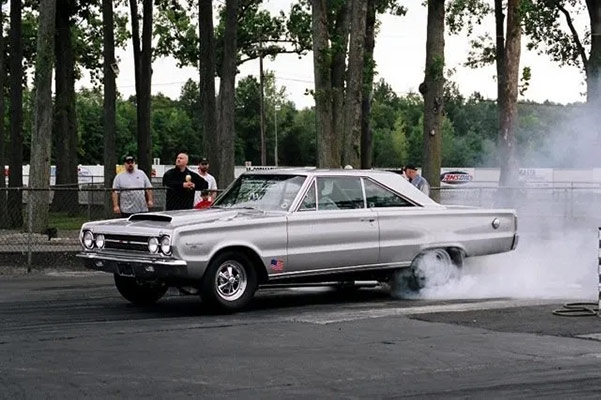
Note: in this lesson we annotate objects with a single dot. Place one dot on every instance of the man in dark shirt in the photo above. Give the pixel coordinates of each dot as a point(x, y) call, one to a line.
point(181, 184)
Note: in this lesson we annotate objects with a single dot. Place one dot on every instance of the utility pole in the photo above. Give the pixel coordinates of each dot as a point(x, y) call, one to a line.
point(275, 152)
point(262, 105)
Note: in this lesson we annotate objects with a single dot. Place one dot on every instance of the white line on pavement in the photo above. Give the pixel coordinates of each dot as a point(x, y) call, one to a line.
point(325, 318)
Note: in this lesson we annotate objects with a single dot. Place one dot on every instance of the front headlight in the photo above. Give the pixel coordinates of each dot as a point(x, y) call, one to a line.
point(99, 241)
point(153, 245)
point(166, 245)
point(88, 240)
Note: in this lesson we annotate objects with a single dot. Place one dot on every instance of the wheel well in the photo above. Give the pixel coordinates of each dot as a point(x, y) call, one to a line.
point(252, 256)
point(457, 255)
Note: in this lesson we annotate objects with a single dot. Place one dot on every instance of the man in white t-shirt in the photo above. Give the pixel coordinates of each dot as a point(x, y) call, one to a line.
point(132, 191)
point(203, 170)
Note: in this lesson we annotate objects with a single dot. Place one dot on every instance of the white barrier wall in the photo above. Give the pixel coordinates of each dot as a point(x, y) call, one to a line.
point(450, 177)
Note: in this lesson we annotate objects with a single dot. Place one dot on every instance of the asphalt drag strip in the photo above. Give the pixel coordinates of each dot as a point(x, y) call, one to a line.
point(73, 336)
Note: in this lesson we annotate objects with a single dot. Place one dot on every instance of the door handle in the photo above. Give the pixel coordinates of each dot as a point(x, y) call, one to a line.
point(369, 219)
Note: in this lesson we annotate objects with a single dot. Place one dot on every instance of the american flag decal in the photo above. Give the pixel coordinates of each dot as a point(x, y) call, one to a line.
point(277, 265)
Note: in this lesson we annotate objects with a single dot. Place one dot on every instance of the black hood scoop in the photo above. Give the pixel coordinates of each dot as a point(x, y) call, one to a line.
point(150, 217)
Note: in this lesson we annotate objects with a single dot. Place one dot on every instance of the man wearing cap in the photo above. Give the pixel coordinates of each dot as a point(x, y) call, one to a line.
point(416, 179)
point(203, 170)
point(181, 185)
point(132, 191)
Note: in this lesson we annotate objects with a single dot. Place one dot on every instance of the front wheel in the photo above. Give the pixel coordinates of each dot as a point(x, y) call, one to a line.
point(141, 293)
point(230, 282)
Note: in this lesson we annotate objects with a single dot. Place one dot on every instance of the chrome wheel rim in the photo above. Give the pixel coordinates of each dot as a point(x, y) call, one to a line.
point(231, 280)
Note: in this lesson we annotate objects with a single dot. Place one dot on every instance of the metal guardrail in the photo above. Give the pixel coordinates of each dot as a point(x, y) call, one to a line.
point(69, 207)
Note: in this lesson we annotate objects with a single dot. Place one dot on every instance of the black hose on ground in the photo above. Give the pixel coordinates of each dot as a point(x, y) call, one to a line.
point(578, 310)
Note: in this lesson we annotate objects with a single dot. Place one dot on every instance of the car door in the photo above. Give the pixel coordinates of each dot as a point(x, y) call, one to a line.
point(332, 228)
point(402, 224)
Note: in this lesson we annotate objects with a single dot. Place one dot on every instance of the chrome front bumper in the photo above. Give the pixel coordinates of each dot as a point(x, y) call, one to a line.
point(143, 268)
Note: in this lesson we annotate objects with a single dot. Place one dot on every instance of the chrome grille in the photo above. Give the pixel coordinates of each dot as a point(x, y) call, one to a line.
point(126, 242)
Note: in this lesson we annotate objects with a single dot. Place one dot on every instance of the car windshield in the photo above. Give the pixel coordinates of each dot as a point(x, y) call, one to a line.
point(262, 192)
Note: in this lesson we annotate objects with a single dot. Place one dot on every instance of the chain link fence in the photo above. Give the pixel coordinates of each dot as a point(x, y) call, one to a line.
point(69, 207)
point(21, 243)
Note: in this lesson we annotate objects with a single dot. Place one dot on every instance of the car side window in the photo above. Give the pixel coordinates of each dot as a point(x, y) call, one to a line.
point(308, 203)
point(339, 193)
point(378, 196)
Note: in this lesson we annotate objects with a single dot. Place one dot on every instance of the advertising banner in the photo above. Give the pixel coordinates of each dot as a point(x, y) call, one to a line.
point(456, 176)
point(536, 177)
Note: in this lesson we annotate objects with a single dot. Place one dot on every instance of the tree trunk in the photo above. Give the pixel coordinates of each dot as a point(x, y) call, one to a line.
point(143, 75)
point(368, 82)
point(500, 55)
point(15, 180)
point(508, 115)
point(41, 140)
point(593, 69)
point(328, 155)
point(432, 90)
point(3, 197)
point(338, 48)
point(226, 130)
point(65, 120)
point(109, 101)
point(207, 78)
point(351, 150)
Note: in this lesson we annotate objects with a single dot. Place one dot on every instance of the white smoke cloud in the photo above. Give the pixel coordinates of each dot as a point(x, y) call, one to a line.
point(560, 267)
point(557, 257)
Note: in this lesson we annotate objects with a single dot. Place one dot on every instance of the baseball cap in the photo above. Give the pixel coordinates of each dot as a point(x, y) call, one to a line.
point(129, 158)
point(203, 160)
point(411, 166)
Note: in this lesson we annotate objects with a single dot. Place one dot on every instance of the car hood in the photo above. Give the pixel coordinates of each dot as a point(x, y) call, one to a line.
point(139, 223)
point(193, 217)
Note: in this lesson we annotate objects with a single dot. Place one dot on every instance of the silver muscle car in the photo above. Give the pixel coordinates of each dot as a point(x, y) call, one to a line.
point(292, 226)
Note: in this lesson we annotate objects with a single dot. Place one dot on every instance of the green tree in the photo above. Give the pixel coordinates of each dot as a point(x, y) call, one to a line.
point(90, 129)
point(248, 105)
point(298, 145)
point(173, 131)
point(248, 141)
point(552, 27)
point(391, 145)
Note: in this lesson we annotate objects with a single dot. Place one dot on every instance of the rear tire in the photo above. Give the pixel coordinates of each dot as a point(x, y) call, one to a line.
point(431, 268)
point(140, 293)
point(435, 267)
point(230, 282)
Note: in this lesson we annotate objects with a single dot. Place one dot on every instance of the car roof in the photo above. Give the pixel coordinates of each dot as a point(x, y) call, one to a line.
point(309, 171)
point(390, 179)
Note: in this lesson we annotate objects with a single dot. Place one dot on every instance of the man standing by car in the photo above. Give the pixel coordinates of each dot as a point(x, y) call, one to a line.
point(181, 185)
point(131, 190)
point(203, 170)
point(416, 179)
